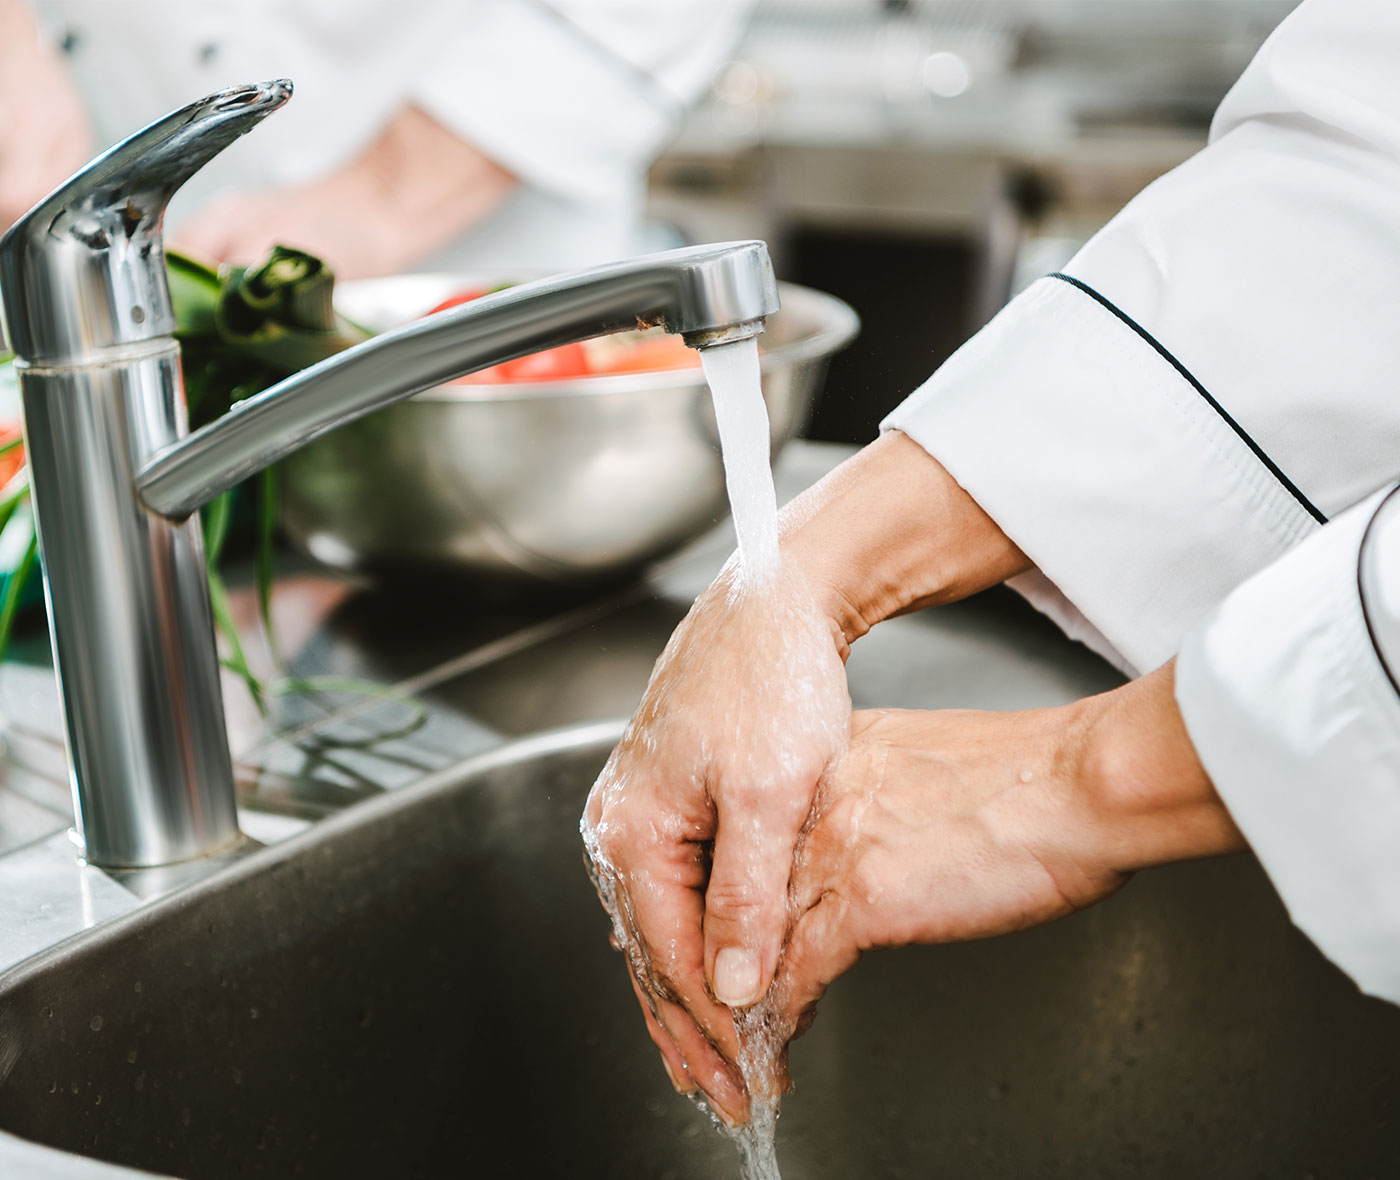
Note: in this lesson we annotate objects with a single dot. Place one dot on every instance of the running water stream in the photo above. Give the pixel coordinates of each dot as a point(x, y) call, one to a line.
point(732, 371)
point(733, 374)
point(806, 693)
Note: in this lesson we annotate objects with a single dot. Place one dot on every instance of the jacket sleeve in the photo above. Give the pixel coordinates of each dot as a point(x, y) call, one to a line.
point(1289, 693)
point(1189, 432)
point(1213, 377)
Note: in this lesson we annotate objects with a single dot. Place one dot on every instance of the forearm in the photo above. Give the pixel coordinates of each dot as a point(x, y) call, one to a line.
point(890, 531)
point(431, 185)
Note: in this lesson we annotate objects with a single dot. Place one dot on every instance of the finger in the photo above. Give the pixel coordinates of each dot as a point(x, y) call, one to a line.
point(688, 1052)
point(663, 912)
point(821, 947)
point(670, 1055)
point(707, 1068)
point(746, 899)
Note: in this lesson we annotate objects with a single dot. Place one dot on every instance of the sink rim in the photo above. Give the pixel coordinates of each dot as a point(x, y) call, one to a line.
point(44, 1162)
point(565, 739)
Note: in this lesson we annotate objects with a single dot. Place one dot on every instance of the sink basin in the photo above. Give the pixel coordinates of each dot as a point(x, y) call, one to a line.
point(422, 987)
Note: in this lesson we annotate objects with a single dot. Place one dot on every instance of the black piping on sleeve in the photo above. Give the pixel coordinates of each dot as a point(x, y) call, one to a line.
point(1361, 591)
point(1147, 337)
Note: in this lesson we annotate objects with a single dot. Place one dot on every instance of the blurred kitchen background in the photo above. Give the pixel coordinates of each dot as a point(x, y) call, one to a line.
point(924, 159)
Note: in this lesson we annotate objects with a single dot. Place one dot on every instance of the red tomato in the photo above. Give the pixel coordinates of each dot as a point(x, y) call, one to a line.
point(13, 459)
point(554, 364)
point(646, 354)
point(458, 299)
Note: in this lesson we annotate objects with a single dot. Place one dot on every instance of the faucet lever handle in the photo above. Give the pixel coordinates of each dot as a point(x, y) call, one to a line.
point(84, 270)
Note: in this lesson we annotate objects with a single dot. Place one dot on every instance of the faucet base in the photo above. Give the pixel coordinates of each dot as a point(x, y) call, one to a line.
point(129, 613)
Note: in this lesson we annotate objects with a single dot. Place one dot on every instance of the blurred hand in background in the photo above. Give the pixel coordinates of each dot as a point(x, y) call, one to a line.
point(496, 137)
point(44, 131)
point(417, 187)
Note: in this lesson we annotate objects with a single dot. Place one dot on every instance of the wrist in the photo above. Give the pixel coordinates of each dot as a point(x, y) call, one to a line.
point(890, 531)
point(1147, 798)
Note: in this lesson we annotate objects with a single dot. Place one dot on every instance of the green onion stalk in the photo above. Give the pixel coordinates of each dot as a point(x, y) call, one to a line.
point(241, 330)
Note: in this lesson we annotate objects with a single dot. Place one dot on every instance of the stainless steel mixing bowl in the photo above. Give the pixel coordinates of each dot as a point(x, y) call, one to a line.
point(559, 483)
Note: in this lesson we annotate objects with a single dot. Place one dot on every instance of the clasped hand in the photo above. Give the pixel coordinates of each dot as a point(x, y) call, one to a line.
point(752, 836)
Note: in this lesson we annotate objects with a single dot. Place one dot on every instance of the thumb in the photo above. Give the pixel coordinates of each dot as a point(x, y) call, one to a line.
point(746, 900)
point(820, 948)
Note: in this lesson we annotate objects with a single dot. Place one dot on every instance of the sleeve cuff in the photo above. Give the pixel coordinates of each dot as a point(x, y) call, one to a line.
point(1298, 724)
point(1140, 501)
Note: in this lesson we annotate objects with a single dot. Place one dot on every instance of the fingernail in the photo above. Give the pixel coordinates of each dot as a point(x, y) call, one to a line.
point(683, 1084)
point(736, 977)
point(730, 1120)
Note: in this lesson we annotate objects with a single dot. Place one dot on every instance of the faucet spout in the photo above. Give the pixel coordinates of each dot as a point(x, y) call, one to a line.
point(709, 294)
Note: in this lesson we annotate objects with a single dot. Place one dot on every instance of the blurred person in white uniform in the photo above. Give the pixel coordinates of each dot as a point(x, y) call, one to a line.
point(486, 135)
point(1184, 449)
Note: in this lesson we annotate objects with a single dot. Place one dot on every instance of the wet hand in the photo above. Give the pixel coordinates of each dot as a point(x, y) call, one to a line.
point(945, 826)
point(691, 827)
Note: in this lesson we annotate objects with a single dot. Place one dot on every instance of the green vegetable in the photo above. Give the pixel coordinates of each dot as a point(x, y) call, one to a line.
point(14, 587)
point(242, 329)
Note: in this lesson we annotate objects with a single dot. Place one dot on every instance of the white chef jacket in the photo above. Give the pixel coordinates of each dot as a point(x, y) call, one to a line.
point(1190, 432)
point(574, 97)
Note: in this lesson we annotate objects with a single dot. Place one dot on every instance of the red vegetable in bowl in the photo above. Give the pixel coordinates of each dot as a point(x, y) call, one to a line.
point(554, 364)
point(11, 452)
point(625, 352)
point(460, 298)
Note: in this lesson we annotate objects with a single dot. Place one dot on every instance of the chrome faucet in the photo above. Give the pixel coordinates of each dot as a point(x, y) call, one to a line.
point(116, 477)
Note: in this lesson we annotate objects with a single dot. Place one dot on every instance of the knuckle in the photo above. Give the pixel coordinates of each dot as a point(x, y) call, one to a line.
point(734, 901)
point(619, 837)
point(765, 822)
point(610, 842)
point(840, 823)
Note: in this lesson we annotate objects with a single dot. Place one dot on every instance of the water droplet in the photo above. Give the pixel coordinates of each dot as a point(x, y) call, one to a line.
point(185, 1116)
point(131, 1057)
point(136, 987)
point(53, 1087)
point(95, 1024)
point(252, 1013)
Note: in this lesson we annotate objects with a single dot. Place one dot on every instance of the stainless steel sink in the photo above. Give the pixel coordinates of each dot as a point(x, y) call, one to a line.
point(422, 987)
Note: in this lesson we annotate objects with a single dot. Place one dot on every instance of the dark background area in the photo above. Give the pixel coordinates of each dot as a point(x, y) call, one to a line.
point(912, 293)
